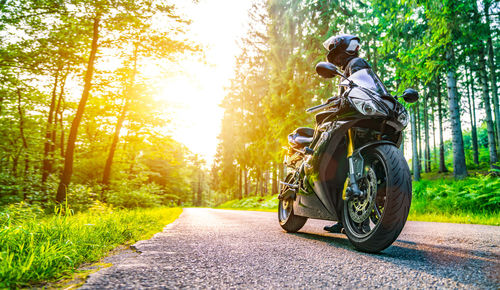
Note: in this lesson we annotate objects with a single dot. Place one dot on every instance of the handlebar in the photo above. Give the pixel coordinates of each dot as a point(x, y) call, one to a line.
point(333, 101)
point(316, 108)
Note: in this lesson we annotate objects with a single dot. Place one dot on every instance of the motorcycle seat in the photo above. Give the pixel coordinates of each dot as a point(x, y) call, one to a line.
point(301, 137)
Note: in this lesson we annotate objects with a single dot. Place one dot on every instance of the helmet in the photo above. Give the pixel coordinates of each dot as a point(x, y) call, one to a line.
point(341, 49)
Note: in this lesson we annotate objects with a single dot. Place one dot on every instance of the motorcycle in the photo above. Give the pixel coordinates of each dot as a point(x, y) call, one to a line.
point(349, 168)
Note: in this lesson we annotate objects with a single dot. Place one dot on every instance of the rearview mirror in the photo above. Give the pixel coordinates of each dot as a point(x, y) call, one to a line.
point(410, 95)
point(326, 70)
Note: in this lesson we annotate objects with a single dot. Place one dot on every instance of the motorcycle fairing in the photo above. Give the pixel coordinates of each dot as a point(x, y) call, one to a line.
point(321, 174)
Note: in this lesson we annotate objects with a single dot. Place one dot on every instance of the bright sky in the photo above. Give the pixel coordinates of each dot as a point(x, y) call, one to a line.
point(194, 94)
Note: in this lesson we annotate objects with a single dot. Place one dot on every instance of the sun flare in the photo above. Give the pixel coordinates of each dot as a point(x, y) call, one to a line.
point(193, 95)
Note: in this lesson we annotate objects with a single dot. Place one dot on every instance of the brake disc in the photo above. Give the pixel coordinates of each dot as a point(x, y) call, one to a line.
point(360, 209)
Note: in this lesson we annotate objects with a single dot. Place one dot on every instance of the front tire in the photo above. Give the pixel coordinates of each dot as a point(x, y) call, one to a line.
point(286, 217)
point(373, 223)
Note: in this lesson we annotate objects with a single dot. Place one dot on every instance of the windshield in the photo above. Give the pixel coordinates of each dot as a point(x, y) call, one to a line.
point(366, 78)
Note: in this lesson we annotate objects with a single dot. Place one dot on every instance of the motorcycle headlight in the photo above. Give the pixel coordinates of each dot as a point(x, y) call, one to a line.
point(368, 107)
point(403, 118)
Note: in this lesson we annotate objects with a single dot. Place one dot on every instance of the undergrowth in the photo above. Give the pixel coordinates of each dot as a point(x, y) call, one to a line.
point(474, 200)
point(36, 247)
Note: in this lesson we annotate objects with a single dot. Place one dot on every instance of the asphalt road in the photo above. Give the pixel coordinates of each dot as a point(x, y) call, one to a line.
point(208, 248)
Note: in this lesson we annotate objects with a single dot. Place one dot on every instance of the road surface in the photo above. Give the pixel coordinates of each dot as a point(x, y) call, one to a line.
point(220, 249)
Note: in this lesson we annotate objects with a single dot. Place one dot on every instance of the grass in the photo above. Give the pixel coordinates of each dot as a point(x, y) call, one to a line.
point(474, 200)
point(492, 219)
point(269, 202)
point(36, 248)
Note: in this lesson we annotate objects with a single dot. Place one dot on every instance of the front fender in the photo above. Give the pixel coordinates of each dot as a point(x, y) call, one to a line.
point(357, 158)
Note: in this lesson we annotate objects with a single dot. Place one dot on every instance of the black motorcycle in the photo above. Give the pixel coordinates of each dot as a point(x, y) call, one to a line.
point(349, 167)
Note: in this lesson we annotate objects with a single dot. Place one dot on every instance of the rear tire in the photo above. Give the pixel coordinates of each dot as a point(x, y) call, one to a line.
point(286, 217)
point(373, 224)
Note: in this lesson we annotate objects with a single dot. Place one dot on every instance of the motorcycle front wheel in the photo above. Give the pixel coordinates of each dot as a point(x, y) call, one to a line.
point(374, 222)
point(286, 217)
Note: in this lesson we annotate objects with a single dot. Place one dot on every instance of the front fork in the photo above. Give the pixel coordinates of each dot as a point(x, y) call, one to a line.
point(351, 188)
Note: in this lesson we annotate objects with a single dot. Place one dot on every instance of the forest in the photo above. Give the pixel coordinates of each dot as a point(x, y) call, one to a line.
point(87, 156)
point(446, 50)
point(77, 117)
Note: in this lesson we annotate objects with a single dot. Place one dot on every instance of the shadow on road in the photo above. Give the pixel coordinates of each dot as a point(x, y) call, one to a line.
point(438, 260)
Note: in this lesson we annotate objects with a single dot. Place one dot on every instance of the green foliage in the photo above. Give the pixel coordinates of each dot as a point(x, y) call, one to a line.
point(474, 194)
point(82, 197)
point(44, 50)
point(148, 195)
point(253, 202)
point(35, 247)
point(17, 213)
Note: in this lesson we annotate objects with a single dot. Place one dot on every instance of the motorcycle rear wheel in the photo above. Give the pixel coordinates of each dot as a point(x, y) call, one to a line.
point(286, 217)
point(373, 223)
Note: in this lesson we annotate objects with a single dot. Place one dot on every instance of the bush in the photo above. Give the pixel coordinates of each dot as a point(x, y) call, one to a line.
point(146, 196)
point(81, 197)
point(253, 202)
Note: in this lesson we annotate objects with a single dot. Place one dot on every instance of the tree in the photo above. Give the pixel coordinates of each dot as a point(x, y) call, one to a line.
point(70, 149)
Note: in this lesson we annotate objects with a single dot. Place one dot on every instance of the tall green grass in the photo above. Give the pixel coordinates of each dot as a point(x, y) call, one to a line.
point(35, 247)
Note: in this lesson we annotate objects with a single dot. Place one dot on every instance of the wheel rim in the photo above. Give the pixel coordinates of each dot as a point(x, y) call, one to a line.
point(285, 209)
point(363, 216)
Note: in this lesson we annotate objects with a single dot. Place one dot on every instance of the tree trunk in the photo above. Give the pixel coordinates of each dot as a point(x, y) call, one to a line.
point(473, 132)
point(266, 183)
point(68, 160)
point(61, 140)
point(47, 163)
point(127, 94)
point(459, 167)
point(245, 172)
point(416, 168)
point(419, 138)
point(492, 67)
point(427, 161)
point(58, 114)
point(199, 191)
point(240, 183)
point(257, 183)
point(24, 150)
point(487, 107)
point(116, 136)
point(442, 164)
point(275, 179)
point(21, 133)
point(434, 148)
